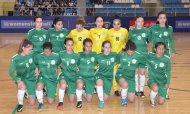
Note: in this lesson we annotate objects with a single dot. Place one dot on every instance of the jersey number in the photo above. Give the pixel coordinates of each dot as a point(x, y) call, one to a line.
point(108, 63)
point(129, 63)
point(155, 66)
point(27, 65)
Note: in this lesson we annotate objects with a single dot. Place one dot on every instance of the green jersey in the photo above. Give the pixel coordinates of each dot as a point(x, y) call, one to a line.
point(48, 65)
point(106, 64)
point(140, 38)
point(38, 38)
point(57, 38)
point(69, 64)
point(22, 67)
point(163, 34)
point(159, 68)
point(87, 63)
point(128, 65)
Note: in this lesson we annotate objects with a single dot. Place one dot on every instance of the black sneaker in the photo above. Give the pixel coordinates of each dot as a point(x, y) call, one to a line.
point(79, 104)
point(117, 93)
point(26, 95)
point(44, 92)
point(141, 94)
point(19, 108)
point(136, 93)
point(95, 91)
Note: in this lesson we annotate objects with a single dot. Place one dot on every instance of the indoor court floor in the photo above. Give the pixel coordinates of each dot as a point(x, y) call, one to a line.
point(179, 93)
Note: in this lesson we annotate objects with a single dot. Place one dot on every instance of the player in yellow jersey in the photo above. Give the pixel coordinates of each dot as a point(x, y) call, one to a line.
point(98, 34)
point(79, 34)
point(118, 37)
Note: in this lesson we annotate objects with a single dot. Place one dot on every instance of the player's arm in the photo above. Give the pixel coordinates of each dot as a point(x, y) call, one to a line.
point(168, 71)
point(12, 71)
point(29, 35)
point(171, 40)
point(70, 34)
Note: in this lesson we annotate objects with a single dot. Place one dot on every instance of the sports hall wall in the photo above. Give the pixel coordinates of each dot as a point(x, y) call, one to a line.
point(22, 24)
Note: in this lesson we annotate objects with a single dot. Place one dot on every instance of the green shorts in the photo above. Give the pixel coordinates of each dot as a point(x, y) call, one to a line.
point(50, 86)
point(89, 84)
point(162, 92)
point(30, 86)
point(71, 83)
point(107, 83)
point(131, 83)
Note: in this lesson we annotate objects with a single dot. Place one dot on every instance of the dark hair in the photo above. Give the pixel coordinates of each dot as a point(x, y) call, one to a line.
point(98, 17)
point(85, 41)
point(37, 17)
point(68, 39)
point(162, 12)
point(25, 43)
point(80, 21)
point(158, 44)
point(130, 46)
point(117, 18)
point(55, 20)
point(47, 45)
point(139, 16)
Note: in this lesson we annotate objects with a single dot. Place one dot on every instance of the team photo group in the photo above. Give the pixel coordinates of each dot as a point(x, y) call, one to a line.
point(55, 62)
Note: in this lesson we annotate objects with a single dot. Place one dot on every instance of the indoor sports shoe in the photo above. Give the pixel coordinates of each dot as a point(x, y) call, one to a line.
point(19, 108)
point(40, 106)
point(79, 104)
point(101, 104)
point(44, 92)
point(60, 106)
point(136, 93)
point(141, 94)
point(153, 104)
point(117, 93)
point(124, 102)
point(167, 98)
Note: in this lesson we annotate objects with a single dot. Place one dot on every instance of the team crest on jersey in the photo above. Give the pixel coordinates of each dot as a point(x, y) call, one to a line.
point(161, 65)
point(92, 59)
point(44, 36)
point(84, 35)
point(134, 61)
point(112, 59)
point(61, 35)
point(53, 62)
point(104, 33)
point(122, 36)
point(165, 33)
point(143, 35)
point(139, 37)
point(30, 60)
point(72, 61)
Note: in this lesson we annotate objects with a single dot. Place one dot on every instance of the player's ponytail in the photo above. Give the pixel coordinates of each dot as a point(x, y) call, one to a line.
point(24, 44)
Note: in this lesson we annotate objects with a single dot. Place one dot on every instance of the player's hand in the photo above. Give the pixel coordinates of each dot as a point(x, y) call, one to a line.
point(131, 27)
point(172, 56)
point(37, 72)
point(166, 86)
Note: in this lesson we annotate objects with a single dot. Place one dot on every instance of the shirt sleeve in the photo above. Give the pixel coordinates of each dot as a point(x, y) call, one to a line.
point(12, 70)
point(171, 40)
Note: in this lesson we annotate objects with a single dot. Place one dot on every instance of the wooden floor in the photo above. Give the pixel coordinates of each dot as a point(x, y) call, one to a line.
point(179, 92)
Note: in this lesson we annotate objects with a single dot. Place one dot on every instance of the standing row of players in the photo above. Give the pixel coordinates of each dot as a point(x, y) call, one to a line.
point(160, 35)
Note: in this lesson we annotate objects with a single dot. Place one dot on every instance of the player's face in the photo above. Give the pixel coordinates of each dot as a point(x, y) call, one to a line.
point(107, 48)
point(79, 27)
point(162, 19)
point(116, 24)
point(38, 23)
point(47, 52)
point(59, 25)
point(130, 52)
point(88, 47)
point(69, 45)
point(27, 50)
point(139, 22)
point(160, 50)
point(99, 22)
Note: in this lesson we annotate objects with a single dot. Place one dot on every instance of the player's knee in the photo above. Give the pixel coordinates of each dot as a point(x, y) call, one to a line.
point(131, 99)
point(89, 100)
point(99, 83)
point(31, 103)
point(79, 85)
point(160, 102)
point(39, 87)
point(155, 88)
point(71, 100)
point(63, 85)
